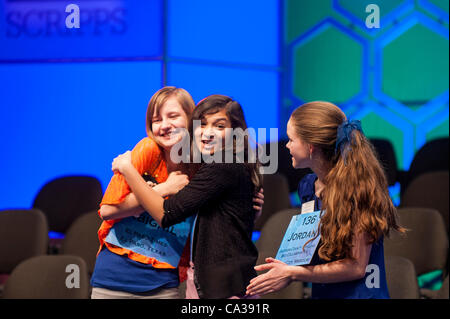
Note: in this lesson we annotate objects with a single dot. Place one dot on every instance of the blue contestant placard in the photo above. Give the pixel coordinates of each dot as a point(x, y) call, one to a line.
point(301, 229)
point(144, 236)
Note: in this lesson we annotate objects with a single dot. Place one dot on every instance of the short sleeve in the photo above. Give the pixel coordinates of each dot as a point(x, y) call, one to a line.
point(145, 157)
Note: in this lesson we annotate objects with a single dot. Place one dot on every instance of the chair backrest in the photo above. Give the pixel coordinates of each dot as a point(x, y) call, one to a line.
point(23, 234)
point(276, 197)
point(433, 156)
point(273, 230)
point(49, 277)
point(64, 199)
point(429, 190)
point(401, 278)
point(426, 242)
point(82, 240)
point(387, 157)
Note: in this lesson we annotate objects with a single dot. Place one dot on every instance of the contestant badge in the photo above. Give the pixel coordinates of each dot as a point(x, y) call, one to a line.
point(144, 236)
point(302, 228)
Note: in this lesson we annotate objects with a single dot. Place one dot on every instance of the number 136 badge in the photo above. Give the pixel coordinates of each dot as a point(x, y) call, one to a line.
point(300, 240)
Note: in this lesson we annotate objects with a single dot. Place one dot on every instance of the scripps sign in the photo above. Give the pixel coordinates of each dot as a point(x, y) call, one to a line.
point(107, 28)
point(47, 19)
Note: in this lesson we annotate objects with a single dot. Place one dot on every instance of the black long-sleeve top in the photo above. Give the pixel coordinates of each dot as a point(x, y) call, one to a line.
point(223, 252)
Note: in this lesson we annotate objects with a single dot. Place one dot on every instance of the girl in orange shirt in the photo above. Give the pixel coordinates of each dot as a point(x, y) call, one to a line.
point(121, 272)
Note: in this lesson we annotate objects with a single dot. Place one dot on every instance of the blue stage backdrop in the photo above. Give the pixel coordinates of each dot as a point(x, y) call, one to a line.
point(73, 99)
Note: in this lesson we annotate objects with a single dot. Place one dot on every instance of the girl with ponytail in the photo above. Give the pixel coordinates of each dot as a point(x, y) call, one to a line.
point(350, 188)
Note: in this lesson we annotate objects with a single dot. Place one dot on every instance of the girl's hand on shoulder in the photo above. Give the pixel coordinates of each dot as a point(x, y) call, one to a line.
point(122, 162)
point(175, 182)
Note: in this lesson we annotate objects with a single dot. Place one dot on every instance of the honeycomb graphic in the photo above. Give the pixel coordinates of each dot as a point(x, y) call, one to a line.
point(393, 78)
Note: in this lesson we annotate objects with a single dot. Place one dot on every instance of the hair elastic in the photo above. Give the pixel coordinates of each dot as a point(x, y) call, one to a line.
point(344, 134)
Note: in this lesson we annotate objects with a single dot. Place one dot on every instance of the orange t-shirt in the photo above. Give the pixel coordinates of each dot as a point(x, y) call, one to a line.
point(146, 157)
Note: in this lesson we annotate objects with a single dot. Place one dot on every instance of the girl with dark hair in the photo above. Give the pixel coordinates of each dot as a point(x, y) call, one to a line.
point(223, 254)
point(350, 188)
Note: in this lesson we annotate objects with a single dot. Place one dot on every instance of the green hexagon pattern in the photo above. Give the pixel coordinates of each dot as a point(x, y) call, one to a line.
point(419, 75)
point(327, 67)
point(311, 12)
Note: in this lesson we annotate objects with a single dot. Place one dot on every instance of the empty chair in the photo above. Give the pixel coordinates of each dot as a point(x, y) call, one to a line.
point(23, 234)
point(429, 190)
point(433, 156)
point(276, 197)
point(401, 278)
point(430, 157)
point(49, 277)
point(64, 199)
point(82, 240)
point(387, 157)
point(426, 242)
point(268, 243)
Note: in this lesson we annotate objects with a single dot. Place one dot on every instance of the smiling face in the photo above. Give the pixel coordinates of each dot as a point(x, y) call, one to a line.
point(167, 122)
point(210, 135)
point(300, 150)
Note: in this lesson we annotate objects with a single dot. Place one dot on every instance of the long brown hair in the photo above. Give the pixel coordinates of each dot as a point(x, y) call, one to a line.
point(215, 103)
point(355, 198)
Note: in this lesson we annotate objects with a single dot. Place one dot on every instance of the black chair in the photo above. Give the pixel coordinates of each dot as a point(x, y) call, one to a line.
point(387, 157)
point(66, 198)
point(433, 156)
